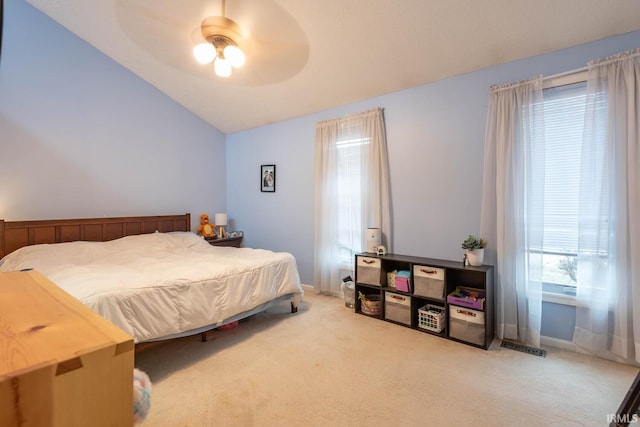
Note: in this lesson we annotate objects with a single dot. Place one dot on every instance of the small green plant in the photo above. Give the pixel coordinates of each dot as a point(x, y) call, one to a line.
point(472, 242)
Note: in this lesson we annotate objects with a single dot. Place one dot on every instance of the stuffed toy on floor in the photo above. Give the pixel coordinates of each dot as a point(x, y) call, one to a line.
point(141, 396)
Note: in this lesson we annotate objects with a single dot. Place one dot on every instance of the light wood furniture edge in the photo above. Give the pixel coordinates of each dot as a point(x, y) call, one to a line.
point(61, 364)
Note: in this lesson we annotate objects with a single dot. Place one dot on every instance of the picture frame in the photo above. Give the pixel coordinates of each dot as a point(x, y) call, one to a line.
point(268, 178)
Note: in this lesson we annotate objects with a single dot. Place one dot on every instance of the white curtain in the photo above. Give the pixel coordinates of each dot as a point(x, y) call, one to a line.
point(512, 212)
point(352, 193)
point(608, 294)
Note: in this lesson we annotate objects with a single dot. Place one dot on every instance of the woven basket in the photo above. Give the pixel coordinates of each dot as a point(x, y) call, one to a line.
point(371, 305)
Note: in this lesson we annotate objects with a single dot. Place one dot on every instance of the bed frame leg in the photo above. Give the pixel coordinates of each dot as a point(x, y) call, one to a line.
point(294, 308)
point(208, 335)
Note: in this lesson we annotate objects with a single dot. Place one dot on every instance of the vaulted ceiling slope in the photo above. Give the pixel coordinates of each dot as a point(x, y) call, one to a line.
point(307, 56)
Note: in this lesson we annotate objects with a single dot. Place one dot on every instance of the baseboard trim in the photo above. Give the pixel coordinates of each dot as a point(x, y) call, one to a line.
point(558, 343)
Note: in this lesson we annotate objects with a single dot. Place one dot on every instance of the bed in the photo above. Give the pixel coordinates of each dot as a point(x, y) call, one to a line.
point(150, 275)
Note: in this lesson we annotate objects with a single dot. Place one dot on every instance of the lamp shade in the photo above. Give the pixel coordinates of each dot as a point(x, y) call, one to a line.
point(204, 53)
point(234, 55)
point(221, 219)
point(222, 67)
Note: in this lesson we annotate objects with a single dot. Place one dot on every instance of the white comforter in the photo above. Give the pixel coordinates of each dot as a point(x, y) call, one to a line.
point(162, 284)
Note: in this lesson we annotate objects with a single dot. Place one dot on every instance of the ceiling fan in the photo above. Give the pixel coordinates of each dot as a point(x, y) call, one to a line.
point(225, 45)
point(266, 43)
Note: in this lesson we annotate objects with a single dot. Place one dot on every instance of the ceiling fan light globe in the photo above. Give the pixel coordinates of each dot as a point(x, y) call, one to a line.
point(222, 67)
point(204, 53)
point(234, 55)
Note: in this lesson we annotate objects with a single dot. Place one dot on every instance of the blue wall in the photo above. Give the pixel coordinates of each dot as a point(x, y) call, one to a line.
point(435, 136)
point(435, 139)
point(81, 136)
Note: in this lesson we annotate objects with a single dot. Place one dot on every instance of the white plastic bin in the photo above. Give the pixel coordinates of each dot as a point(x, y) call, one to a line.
point(349, 290)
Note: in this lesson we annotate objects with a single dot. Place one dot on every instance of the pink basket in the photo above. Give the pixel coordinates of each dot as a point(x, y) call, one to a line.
point(402, 284)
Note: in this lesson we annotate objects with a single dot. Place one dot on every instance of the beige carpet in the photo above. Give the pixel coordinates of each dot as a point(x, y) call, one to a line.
point(326, 366)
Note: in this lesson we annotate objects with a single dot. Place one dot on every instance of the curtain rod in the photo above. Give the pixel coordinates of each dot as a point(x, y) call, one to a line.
point(628, 54)
point(567, 73)
point(351, 117)
point(498, 88)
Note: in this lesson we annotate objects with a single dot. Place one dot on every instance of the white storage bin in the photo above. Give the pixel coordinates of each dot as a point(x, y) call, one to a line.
point(369, 271)
point(428, 281)
point(466, 324)
point(397, 308)
point(431, 317)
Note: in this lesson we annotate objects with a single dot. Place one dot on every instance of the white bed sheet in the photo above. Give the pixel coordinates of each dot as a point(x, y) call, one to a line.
point(163, 284)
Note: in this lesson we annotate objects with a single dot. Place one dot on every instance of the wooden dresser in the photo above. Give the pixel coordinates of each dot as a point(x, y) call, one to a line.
point(61, 364)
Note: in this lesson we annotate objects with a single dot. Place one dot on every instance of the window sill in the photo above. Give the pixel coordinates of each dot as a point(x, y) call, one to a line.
point(559, 299)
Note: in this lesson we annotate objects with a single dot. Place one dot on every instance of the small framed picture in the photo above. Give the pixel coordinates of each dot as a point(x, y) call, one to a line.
point(268, 178)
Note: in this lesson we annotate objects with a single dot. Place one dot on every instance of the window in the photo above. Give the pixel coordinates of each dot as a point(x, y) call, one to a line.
point(531, 146)
point(352, 193)
point(349, 198)
point(564, 110)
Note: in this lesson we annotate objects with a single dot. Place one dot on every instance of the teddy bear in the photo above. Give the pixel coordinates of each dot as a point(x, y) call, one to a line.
point(205, 229)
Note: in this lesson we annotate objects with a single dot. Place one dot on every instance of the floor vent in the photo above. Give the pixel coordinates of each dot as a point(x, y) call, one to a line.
point(523, 348)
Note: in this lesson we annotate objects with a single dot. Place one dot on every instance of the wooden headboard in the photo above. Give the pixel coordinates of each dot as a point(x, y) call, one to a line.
point(16, 234)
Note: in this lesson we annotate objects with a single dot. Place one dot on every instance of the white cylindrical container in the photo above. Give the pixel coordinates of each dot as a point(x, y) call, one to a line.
point(372, 240)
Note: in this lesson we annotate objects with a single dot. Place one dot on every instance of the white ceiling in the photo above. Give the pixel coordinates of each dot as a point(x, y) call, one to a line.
point(307, 56)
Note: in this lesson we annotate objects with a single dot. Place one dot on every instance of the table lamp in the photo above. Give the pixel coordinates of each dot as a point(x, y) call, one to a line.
point(221, 221)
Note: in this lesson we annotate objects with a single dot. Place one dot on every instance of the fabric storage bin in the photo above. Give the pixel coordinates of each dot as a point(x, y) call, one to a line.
point(428, 281)
point(403, 283)
point(466, 324)
point(397, 308)
point(369, 271)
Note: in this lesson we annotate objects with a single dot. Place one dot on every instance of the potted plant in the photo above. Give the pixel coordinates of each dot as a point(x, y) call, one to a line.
point(475, 249)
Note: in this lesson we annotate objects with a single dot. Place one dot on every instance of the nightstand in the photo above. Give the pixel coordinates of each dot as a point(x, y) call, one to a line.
point(227, 241)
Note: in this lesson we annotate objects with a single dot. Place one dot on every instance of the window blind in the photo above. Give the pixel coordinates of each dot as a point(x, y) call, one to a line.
point(349, 185)
point(564, 110)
